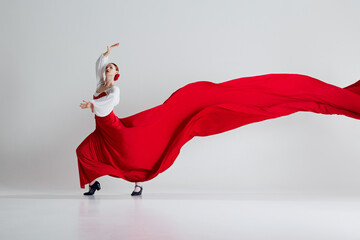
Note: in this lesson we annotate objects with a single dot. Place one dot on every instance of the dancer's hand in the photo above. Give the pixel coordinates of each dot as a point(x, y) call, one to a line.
point(87, 105)
point(109, 49)
point(112, 46)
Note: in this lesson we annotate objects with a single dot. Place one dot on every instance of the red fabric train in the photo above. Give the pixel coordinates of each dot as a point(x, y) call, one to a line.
point(141, 146)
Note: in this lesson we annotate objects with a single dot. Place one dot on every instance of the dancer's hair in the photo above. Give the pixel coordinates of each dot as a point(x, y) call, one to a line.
point(117, 69)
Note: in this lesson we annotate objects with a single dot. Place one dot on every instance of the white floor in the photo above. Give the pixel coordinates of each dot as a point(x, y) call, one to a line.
point(170, 216)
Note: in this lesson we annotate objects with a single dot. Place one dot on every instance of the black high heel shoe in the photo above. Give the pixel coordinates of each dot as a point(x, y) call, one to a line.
point(137, 193)
point(93, 188)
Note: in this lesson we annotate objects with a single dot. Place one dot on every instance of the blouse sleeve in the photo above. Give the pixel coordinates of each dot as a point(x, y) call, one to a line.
point(104, 105)
point(100, 65)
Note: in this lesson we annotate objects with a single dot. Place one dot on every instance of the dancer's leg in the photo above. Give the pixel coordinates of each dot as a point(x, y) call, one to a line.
point(137, 189)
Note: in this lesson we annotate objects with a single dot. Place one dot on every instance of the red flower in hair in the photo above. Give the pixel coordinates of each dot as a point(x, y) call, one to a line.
point(116, 77)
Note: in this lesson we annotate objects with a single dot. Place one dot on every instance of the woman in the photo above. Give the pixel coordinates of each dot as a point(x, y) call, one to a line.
point(106, 97)
point(137, 148)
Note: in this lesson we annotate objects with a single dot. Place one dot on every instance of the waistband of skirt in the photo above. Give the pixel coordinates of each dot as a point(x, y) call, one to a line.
point(111, 113)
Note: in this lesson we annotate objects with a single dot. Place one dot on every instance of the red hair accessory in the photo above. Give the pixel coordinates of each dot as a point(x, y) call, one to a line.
point(116, 77)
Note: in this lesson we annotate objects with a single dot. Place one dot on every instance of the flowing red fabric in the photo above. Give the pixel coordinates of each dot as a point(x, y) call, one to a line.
point(139, 147)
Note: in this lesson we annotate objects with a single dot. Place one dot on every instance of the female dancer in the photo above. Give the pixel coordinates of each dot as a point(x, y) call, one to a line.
point(139, 147)
point(106, 97)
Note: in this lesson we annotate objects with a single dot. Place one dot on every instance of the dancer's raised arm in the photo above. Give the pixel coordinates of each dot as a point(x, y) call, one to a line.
point(100, 66)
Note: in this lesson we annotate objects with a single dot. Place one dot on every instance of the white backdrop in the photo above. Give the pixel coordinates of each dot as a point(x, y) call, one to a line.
point(49, 49)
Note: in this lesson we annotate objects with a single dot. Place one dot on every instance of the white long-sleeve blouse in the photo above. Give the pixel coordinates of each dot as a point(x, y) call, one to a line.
point(104, 105)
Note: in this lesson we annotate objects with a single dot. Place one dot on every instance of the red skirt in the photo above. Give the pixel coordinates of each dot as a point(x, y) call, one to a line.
point(139, 147)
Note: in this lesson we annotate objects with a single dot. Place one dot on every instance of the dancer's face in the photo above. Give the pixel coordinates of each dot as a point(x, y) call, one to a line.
point(110, 70)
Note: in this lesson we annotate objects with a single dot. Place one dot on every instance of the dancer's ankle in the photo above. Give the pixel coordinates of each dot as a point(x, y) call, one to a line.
point(92, 182)
point(137, 187)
